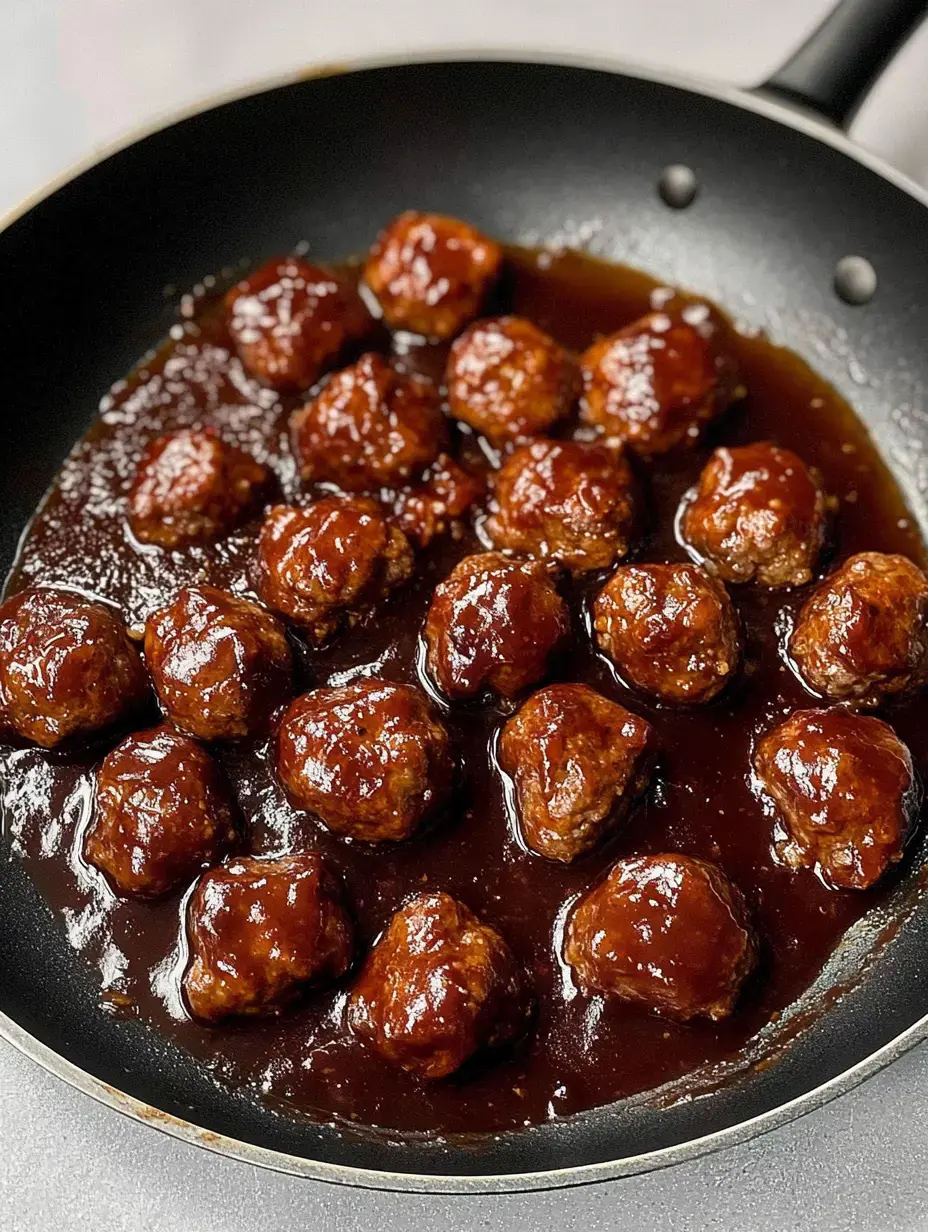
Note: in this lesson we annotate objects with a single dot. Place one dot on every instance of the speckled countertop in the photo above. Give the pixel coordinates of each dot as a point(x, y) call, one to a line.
point(77, 74)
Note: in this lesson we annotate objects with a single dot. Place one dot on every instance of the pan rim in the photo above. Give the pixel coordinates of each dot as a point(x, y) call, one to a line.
point(464, 1184)
point(585, 1174)
point(748, 98)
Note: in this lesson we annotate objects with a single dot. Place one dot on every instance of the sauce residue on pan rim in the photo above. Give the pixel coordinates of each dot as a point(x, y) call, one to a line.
point(580, 1053)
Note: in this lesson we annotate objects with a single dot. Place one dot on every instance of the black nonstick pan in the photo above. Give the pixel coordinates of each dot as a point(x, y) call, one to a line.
point(527, 151)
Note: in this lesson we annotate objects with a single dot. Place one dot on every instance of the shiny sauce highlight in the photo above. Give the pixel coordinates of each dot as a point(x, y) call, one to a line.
point(580, 1052)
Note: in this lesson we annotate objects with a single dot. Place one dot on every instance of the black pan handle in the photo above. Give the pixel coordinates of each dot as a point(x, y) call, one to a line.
point(835, 67)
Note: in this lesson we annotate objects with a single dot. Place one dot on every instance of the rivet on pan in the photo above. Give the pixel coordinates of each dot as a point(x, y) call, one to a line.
point(855, 280)
point(678, 186)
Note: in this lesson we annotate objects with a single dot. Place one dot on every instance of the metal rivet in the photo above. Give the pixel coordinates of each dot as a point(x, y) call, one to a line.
point(678, 186)
point(855, 280)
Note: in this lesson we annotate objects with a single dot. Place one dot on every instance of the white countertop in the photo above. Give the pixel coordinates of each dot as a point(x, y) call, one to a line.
point(78, 74)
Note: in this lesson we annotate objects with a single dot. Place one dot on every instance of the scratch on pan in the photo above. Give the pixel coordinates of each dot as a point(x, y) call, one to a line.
point(154, 1116)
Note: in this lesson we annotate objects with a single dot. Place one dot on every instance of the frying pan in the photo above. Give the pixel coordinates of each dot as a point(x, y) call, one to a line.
point(527, 151)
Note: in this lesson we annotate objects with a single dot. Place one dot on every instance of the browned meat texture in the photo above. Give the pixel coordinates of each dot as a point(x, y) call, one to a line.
point(369, 428)
point(438, 504)
point(220, 663)
point(260, 931)
point(759, 514)
point(668, 932)
point(191, 486)
point(656, 383)
point(491, 751)
point(292, 321)
point(438, 986)
point(571, 501)
point(578, 762)
point(844, 786)
point(370, 759)
point(431, 273)
point(509, 380)
point(671, 630)
point(322, 566)
point(162, 812)
point(862, 635)
point(492, 624)
point(67, 666)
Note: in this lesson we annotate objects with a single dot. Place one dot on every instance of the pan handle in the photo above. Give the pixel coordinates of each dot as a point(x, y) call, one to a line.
point(833, 70)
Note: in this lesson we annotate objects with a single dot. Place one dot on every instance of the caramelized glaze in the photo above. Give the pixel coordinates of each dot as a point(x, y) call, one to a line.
point(579, 1052)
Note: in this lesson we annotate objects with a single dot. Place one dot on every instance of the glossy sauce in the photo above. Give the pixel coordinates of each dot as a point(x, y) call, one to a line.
point(580, 1053)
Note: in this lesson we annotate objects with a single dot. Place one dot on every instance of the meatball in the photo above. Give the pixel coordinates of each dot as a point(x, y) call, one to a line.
point(863, 635)
point(568, 500)
point(260, 931)
point(322, 565)
point(220, 663)
point(369, 428)
point(656, 383)
point(493, 623)
point(67, 666)
point(509, 380)
point(667, 931)
point(671, 630)
point(369, 759)
point(191, 486)
point(162, 812)
point(845, 789)
point(578, 762)
point(437, 987)
point(431, 273)
point(758, 514)
point(438, 503)
point(291, 321)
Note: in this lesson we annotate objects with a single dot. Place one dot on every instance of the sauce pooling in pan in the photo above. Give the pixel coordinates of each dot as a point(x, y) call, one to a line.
point(580, 1050)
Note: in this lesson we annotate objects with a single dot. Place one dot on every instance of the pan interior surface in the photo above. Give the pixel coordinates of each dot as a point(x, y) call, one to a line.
point(535, 154)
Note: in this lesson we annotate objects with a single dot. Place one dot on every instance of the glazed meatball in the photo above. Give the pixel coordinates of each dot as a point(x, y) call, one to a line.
point(369, 759)
point(260, 931)
point(162, 812)
point(578, 762)
point(492, 624)
point(671, 630)
point(568, 500)
point(437, 504)
point(67, 666)
point(291, 321)
point(669, 932)
point(845, 789)
point(437, 987)
point(191, 486)
point(758, 514)
point(863, 633)
point(656, 383)
point(509, 380)
point(220, 663)
point(431, 273)
point(369, 428)
point(323, 565)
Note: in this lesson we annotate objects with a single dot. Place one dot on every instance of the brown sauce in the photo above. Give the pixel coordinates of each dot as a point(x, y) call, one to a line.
point(581, 1053)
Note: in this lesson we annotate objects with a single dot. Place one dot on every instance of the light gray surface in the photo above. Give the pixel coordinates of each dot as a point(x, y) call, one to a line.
point(67, 1163)
point(76, 74)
